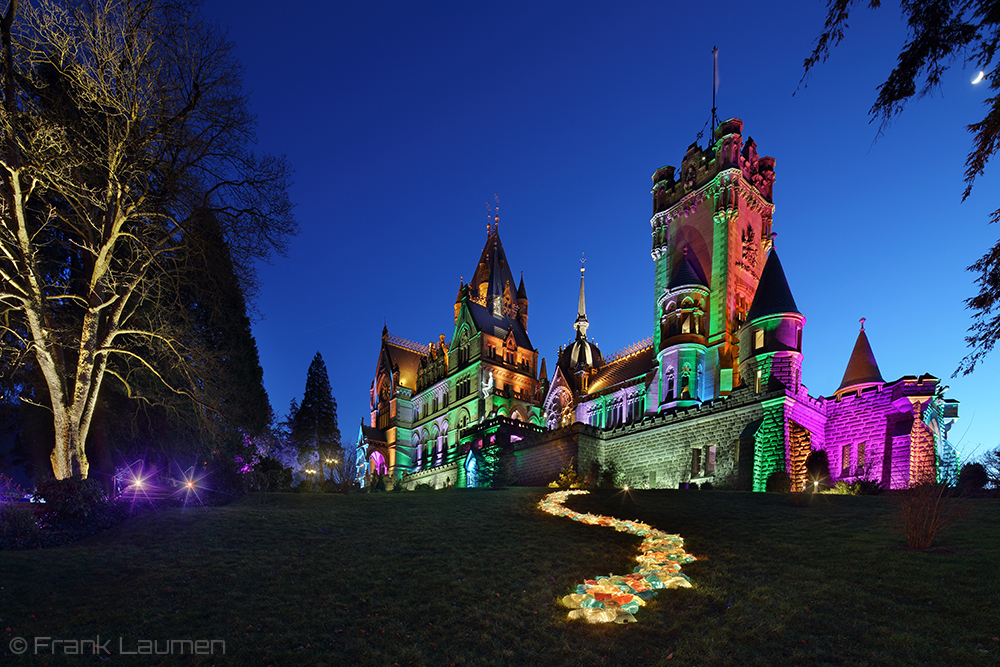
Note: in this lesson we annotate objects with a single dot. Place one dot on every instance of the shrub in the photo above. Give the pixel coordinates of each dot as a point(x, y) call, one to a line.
point(842, 488)
point(569, 478)
point(305, 486)
point(973, 477)
point(276, 477)
point(869, 487)
point(71, 500)
point(17, 522)
point(9, 491)
point(817, 470)
point(398, 485)
point(706, 486)
point(423, 486)
point(779, 482)
point(610, 477)
point(924, 511)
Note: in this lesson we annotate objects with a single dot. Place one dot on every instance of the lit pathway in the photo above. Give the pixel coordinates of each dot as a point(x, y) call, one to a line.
point(617, 597)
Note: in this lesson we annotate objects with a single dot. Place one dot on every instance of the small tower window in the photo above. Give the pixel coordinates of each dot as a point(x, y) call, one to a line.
point(758, 339)
point(758, 381)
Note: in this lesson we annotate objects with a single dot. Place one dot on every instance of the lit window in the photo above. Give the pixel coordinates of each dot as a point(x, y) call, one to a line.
point(710, 460)
point(861, 457)
point(758, 339)
point(845, 468)
point(758, 380)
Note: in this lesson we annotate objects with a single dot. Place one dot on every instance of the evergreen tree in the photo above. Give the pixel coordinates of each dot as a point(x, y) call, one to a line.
point(494, 467)
point(314, 427)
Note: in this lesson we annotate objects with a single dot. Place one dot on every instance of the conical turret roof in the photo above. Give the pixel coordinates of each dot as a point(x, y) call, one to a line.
point(492, 274)
point(773, 296)
point(685, 274)
point(862, 369)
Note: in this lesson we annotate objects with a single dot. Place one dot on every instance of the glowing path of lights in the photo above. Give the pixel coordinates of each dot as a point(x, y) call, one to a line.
point(617, 597)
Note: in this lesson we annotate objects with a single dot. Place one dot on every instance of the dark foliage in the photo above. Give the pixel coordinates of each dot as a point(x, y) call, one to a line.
point(276, 476)
point(972, 478)
point(17, 522)
point(779, 482)
point(991, 462)
point(495, 466)
point(942, 32)
point(817, 470)
point(868, 487)
point(70, 500)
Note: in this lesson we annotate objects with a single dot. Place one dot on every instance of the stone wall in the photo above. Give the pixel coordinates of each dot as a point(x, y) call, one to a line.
point(438, 477)
point(895, 439)
point(538, 460)
point(658, 451)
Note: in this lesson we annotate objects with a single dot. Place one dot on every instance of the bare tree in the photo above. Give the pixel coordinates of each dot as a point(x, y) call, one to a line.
point(125, 135)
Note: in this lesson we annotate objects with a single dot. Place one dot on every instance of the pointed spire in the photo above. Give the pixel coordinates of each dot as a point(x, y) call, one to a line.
point(686, 274)
point(492, 273)
point(773, 296)
point(581, 325)
point(521, 293)
point(862, 369)
point(543, 375)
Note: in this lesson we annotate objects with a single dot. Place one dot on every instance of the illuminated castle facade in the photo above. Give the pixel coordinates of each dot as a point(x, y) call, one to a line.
point(428, 401)
point(715, 394)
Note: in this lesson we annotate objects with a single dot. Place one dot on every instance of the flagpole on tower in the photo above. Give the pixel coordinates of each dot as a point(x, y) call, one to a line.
point(715, 87)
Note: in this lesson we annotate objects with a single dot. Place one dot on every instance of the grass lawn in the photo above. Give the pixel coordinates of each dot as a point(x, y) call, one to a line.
point(472, 577)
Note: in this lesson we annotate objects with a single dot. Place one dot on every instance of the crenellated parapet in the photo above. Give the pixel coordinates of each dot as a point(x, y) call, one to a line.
point(700, 167)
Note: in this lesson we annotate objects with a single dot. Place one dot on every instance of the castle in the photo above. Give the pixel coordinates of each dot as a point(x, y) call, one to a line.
point(713, 395)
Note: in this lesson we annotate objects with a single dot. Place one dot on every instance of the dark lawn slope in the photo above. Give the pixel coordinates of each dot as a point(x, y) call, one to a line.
point(473, 578)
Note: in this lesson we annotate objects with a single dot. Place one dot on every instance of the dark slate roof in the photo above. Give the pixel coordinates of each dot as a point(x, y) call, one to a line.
point(613, 373)
point(580, 351)
point(498, 326)
point(773, 296)
point(493, 268)
point(862, 368)
point(686, 274)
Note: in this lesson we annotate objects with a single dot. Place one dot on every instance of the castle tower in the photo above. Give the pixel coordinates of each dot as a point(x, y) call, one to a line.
point(771, 339)
point(581, 358)
point(718, 210)
point(683, 336)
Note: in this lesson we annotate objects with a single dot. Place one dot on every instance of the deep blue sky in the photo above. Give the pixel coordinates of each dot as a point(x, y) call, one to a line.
point(402, 120)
